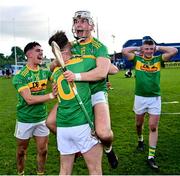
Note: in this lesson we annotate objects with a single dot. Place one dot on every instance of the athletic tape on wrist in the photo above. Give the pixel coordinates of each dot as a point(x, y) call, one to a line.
point(77, 76)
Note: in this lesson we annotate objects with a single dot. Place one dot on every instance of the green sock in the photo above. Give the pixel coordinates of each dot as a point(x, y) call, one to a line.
point(152, 150)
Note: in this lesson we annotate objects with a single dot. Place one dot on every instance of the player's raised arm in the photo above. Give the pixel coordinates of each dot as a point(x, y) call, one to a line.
point(168, 52)
point(129, 52)
point(98, 73)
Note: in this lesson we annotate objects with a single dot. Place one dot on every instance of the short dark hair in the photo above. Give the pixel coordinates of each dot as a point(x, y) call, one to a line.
point(30, 46)
point(148, 42)
point(60, 38)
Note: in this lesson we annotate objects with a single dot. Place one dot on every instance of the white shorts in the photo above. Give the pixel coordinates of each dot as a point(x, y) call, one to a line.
point(71, 140)
point(27, 130)
point(151, 105)
point(99, 97)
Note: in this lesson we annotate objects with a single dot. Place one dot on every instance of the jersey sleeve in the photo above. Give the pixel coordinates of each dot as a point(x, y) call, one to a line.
point(19, 82)
point(134, 60)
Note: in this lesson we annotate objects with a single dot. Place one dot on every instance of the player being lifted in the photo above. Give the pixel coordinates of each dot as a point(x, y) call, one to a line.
point(89, 47)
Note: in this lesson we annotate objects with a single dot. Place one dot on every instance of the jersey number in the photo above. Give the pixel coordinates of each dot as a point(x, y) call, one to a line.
point(62, 94)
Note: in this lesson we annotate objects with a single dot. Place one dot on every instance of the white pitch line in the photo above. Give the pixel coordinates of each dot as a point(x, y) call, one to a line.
point(169, 113)
point(170, 102)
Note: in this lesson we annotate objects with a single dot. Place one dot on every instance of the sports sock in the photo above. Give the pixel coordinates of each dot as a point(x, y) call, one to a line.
point(21, 173)
point(152, 150)
point(140, 137)
point(107, 150)
point(40, 173)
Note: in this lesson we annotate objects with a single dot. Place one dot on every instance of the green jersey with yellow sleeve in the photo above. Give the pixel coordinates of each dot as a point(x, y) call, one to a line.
point(69, 112)
point(36, 82)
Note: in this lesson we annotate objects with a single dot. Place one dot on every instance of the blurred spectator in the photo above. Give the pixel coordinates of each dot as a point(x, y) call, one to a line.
point(8, 74)
point(3, 72)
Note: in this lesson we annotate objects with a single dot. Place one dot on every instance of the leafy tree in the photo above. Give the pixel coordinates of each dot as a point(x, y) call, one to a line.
point(2, 59)
point(10, 60)
point(19, 54)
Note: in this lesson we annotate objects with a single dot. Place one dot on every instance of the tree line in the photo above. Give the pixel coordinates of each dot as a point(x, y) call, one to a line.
point(10, 60)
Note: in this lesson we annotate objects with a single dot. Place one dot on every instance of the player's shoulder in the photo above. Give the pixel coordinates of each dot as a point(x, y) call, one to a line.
point(22, 72)
point(74, 43)
point(95, 42)
point(158, 56)
point(20, 75)
point(138, 57)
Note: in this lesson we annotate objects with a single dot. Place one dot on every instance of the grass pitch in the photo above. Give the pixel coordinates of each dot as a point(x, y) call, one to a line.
point(121, 99)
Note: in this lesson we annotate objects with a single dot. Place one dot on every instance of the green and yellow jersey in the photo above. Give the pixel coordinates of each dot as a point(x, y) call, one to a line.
point(36, 81)
point(69, 112)
point(147, 76)
point(91, 50)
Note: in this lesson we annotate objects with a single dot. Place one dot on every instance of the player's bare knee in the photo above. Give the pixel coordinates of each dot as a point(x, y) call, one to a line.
point(21, 152)
point(153, 128)
point(105, 135)
point(106, 139)
point(42, 152)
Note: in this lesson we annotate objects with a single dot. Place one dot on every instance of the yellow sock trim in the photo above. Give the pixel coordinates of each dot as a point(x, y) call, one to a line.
point(107, 149)
point(40, 173)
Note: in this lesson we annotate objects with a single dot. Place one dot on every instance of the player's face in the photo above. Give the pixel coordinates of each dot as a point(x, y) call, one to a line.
point(148, 51)
point(82, 27)
point(66, 53)
point(37, 55)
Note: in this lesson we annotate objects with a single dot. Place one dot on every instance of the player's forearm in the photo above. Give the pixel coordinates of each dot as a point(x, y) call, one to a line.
point(98, 73)
point(168, 51)
point(93, 75)
point(35, 99)
point(130, 49)
point(129, 52)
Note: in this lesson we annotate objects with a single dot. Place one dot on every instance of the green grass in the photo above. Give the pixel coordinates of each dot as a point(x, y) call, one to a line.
point(123, 125)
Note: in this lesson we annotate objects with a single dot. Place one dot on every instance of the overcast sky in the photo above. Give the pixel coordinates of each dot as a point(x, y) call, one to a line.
point(23, 21)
